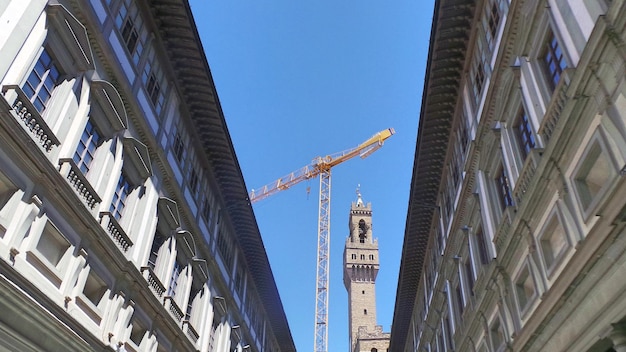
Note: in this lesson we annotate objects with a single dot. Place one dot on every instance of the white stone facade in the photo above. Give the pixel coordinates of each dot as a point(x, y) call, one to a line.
point(115, 232)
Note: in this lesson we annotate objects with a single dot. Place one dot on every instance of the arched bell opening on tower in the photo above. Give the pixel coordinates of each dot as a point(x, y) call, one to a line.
point(363, 228)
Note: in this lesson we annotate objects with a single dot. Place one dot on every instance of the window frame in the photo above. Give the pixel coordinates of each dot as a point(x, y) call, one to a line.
point(122, 14)
point(89, 146)
point(598, 141)
point(123, 189)
point(547, 231)
point(524, 307)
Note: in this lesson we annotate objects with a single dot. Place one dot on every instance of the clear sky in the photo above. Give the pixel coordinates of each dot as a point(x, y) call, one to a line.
point(299, 79)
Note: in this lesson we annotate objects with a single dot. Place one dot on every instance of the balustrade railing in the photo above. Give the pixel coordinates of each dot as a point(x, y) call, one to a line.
point(526, 176)
point(554, 109)
point(31, 119)
point(153, 281)
point(190, 331)
point(173, 308)
point(116, 231)
point(71, 172)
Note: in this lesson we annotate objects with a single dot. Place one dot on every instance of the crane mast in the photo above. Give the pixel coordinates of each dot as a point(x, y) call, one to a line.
point(321, 166)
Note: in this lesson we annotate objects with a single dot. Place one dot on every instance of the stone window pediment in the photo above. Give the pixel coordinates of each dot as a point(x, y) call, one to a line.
point(112, 108)
point(167, 210)
point(200, 270)
point(220, 303)
point(185, 244)
point(72, 35)
point(137, 161)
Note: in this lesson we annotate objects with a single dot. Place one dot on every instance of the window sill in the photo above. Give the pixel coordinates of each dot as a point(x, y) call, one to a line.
point(51, 273)
point(89, 308)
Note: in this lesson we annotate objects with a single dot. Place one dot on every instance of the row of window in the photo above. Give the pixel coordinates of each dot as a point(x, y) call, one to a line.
point(97, 149)
point(503, 168)
point(354, 256)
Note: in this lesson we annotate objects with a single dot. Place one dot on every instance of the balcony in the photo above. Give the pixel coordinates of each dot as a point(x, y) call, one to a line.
point(31, 119)
point(116, 231)
point(526, 176)
point(173, 308)
point(554, 109)
point(192, 334)
point(153, 281)
point(71, 172)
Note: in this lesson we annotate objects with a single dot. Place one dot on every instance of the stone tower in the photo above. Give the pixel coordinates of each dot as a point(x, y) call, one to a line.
point(360, 258)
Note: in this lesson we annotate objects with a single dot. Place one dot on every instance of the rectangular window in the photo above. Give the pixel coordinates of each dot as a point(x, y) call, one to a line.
point(157, 242)
point(154, 81)
point(95, 288)
point(469, 274)
point(458, 300)
point(483, 250)
point(213, 333)
point(491, 23)
point(239, 279)
point(553, 59)
point(87, 145)
point(524, 133)
point(496, 334)
point(41, 81)
point(52, 245)
point(137, 331)
point(553, 243)
point(524, 288)
point(132, 29)
point(225, 248)
point(193, 180)
point(178, 268)
point(195, 290)
point(119, 198)
point(503, 188)
point(478, 78)
point(206, 209)
point(463, 135)
point(593, 174)
point(179, 147)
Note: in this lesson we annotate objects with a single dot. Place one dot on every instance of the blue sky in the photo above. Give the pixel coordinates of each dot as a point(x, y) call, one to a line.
point(300, 79)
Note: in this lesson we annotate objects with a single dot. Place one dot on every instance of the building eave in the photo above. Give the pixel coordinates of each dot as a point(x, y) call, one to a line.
point(193, 77)
point(450, 34)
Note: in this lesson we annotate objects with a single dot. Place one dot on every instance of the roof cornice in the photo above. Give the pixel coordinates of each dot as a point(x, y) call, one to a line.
point(450, 34)
point(181, 41)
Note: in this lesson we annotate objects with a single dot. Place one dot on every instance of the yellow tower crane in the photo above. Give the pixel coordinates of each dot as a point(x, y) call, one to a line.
point(321, 166)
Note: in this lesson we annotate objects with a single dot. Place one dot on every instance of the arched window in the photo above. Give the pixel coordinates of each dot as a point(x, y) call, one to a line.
point(362, 231)
point(374, 350)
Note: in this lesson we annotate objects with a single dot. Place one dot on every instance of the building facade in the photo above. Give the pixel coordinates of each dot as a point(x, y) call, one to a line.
point(361, 264)
point(515, 237)
point(124, 220)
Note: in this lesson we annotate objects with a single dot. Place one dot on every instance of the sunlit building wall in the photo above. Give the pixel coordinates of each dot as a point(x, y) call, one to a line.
point(124, 220)
point(515, 236)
